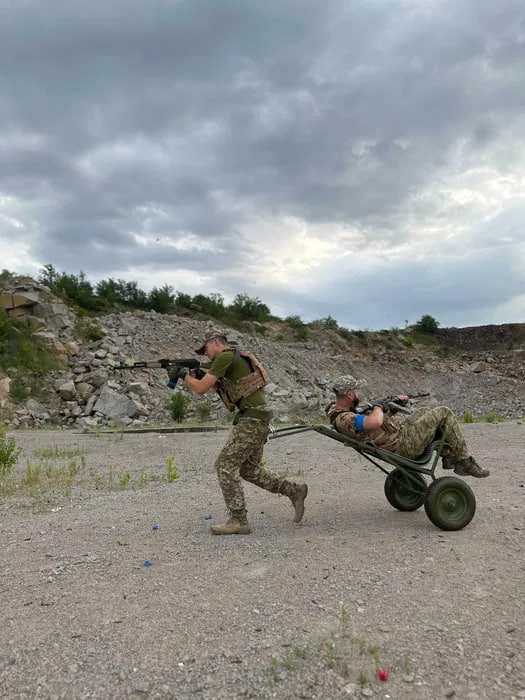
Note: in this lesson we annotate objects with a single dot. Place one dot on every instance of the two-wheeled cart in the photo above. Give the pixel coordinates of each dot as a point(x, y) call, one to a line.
point(449, 502)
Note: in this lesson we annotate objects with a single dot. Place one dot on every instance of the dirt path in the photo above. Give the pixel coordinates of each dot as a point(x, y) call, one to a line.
point(292, 611)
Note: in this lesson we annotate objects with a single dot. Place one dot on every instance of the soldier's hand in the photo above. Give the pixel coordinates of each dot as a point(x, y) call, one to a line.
point(383, 405)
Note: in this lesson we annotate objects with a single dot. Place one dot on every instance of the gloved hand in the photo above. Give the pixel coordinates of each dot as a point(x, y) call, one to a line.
point(383, 404)
point(364, 407)
point(175, 373)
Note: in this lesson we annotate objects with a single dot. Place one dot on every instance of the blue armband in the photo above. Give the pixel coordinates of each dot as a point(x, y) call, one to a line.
point(359, 420)
point(172, 385)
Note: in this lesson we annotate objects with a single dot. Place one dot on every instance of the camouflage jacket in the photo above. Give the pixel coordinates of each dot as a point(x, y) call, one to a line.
point(344, 422)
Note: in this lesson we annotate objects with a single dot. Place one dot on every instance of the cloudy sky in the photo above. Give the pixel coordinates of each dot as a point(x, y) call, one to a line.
point(364, 159)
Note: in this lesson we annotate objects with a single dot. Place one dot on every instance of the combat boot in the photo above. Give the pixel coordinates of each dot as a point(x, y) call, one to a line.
point(469, 467)
point(298, 502)
point(236, 525)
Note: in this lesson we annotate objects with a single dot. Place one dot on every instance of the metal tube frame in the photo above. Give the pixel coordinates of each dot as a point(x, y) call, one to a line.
point(371, 452)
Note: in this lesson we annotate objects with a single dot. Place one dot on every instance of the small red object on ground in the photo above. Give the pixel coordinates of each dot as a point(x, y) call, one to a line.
point(382, 674)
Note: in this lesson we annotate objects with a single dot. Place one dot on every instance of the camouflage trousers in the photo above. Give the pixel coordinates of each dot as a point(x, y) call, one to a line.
point(241, 458)
point(418, 430)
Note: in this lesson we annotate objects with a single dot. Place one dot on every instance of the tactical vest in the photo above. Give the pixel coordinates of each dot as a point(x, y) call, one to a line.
point(232, 391)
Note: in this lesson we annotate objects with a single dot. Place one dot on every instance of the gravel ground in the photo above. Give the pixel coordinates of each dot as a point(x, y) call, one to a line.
point(291, 611)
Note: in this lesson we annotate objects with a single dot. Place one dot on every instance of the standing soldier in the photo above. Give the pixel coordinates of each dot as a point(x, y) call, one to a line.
point(239, 378)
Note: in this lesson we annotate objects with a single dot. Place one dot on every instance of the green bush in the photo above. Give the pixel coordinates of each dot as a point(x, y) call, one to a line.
point(294, 321)
point(88, 329)
point(8, 451)
point(492, 417)
point(467, 417)
point(301, 332)
point(204, 410)
point(409, 341)
point(427, 324)
point(327, 322)
point(178, 406)
point(345, 333)
point(26, 359)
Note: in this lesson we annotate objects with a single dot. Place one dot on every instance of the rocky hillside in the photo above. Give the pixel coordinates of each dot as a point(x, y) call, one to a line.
point(481, 369)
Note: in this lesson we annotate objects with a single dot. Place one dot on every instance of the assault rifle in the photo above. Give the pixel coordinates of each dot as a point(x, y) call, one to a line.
point(392, 403)
point(177, 369)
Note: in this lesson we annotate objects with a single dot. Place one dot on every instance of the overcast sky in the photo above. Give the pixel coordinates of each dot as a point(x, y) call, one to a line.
point(364, 159)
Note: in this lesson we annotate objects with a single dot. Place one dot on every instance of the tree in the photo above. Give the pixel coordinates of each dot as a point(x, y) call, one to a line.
point(48, 276)
point(250, 308)
point(427, 324)
point(161, 300)
point(6, 276)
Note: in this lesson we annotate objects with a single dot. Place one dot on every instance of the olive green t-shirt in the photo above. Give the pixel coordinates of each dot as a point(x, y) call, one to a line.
point(241, 368)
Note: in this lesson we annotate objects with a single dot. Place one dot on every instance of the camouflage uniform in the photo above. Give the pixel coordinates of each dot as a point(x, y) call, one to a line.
point(241, 457)
point(418, 430)
point(410, 437)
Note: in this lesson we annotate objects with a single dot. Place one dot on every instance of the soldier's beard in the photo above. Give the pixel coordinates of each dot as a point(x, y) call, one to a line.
point(355, 403)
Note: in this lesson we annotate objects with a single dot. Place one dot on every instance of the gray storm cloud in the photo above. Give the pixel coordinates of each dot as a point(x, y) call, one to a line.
point(131, 128)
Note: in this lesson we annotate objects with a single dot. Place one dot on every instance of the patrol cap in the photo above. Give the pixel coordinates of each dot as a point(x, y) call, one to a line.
point(346, 383)
point(211, 334)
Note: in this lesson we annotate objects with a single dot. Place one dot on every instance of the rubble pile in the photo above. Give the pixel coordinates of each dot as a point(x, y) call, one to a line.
point(92, 391)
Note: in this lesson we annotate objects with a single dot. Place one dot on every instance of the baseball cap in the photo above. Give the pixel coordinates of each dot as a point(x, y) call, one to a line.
point(210, 335)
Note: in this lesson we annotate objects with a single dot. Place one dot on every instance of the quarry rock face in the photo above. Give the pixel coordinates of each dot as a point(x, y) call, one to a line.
point(90, 390)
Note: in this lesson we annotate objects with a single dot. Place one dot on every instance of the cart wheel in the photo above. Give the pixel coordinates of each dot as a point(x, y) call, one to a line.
point(402, 492)
point(450, 503)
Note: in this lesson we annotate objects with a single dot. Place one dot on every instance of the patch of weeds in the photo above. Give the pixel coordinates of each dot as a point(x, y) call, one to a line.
point(361, 644)
point(300, 652)
point(407, 662)
point(98, 480)
point(89, 330)
point(204, 411)
point(287, 662)
point(274, 668)
point(346, 670)
point(345, 333)
point(345, 621)
point(9, 452)
point(363, 678)
point(44, 476)
point(373, 650)
point(171, 467)
point(330, 653)
point(409, 341)
point(57, 452)
point(493, 418)
point(467, 417)
point(124, 480)
point(141, 481)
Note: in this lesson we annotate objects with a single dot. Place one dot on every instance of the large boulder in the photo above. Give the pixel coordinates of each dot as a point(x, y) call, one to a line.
point(115, 405)
point(97, 378)
point(67, 390)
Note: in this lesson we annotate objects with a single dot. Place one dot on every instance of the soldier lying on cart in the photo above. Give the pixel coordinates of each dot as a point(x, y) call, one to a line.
point(426, 435)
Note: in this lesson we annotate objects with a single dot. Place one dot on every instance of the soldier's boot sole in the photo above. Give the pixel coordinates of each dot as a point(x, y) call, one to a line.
point(298, 502)
point(232, 527)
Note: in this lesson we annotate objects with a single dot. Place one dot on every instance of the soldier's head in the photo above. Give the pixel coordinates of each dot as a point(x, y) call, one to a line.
point(347, 390)
point(214, 343)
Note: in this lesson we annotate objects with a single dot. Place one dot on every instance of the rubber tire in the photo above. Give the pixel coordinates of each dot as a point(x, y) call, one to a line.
point(400, 491)
point(450, 503)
